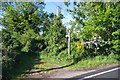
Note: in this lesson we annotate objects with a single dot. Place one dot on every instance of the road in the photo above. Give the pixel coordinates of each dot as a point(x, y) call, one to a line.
point(102, 73)
point(112, 73)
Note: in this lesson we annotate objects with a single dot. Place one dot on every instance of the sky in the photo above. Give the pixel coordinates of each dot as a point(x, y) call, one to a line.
point(52, 7)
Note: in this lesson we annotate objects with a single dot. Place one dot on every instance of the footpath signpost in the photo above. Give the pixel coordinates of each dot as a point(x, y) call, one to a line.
point(68, 38)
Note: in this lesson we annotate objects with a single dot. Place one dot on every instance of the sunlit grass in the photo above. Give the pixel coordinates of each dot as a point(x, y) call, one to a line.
point(95, 62)
point(88, 63)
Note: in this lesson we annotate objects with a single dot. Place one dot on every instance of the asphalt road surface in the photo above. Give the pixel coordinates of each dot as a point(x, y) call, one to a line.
point(112, 73)
point(105, 73)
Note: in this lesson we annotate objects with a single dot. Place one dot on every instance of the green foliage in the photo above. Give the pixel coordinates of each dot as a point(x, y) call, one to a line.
point(101, 20)
point(22, 23)
point(116, 40)
point(96, 19)
point(57, 31)
point(21, 31)
point(56, 37)
point(77, 51)
point(11, 46)
point(27, 28)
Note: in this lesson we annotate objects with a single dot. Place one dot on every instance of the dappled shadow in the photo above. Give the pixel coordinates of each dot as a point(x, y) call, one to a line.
point(24, 63)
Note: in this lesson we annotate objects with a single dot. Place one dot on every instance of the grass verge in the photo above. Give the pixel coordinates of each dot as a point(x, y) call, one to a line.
point(84, 64)
point(49, 64)
point(95, 62)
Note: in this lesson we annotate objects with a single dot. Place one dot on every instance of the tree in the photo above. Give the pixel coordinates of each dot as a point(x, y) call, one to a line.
point(103, 17)
point(21, 27)
point(79, 15)
point(97, 19)
point(22, 21)
point(56, 36)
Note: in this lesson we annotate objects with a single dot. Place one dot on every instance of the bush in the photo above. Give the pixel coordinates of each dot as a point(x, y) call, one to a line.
point(77, 51)
point(116, 40)
point(7, 67)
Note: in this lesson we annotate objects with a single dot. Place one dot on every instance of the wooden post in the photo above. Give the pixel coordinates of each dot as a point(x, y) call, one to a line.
point(69, 42)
